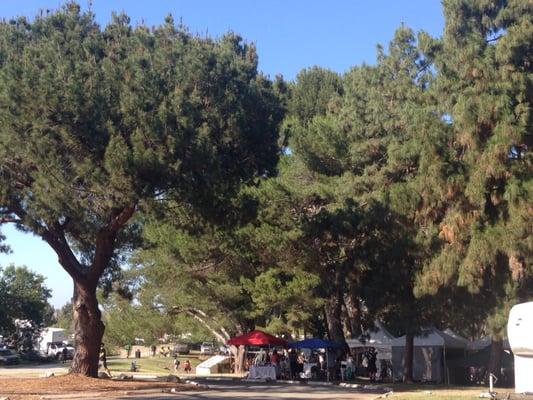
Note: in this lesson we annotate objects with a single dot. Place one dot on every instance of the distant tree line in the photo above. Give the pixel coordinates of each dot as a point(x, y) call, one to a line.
point(24, 306)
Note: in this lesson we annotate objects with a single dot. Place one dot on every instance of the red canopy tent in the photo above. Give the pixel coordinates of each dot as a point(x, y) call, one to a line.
point(257, 338)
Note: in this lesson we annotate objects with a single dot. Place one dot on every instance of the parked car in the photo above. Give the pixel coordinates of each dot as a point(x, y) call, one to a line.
point(55, 350)
point(207, 348)
point(180, 348)
point(7, 357)
point(33, 355)
point(224, 350)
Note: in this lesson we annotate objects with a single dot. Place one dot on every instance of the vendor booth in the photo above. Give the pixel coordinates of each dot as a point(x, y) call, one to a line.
point(314, 344)
point(431, 352)
point(380, 340)
point(260, 339)
point(257, 338)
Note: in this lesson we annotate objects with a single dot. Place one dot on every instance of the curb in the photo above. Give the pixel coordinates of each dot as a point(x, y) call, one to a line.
point(192, 383)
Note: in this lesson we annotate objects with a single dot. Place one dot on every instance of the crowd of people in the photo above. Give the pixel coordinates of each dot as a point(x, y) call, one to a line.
point(293, 364)
point(289, 363)
point(311, 364)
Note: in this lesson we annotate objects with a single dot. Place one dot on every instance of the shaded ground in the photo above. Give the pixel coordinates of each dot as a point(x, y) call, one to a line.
point(80, 386)
point(76, 387)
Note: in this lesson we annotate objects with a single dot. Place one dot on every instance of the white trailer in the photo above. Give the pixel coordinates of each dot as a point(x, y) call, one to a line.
point(520, 333)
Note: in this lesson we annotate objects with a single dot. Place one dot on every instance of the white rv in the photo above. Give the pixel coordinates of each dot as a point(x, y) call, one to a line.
point(51, 343)
point(520, 333)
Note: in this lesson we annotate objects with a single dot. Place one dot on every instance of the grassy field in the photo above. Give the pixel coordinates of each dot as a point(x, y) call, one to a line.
point(151, 365)
point(437, 395)
point(418, 392)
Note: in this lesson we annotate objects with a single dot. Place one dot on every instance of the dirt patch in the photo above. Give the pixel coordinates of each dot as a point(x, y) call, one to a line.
point(28, 388)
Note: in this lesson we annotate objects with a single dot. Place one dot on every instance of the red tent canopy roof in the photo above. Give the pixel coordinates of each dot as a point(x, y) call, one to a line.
point(257, 338)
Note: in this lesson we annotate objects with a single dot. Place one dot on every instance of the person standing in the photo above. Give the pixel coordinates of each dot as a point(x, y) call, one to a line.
point(187, 366)
point(176, 364)
point(128, 350)
point(260, 358)
point(372, 368)
point(274, 360)
point(103, 359)
point(64, 354)
point(331, 364)
point(284, 366)
point(292, 363)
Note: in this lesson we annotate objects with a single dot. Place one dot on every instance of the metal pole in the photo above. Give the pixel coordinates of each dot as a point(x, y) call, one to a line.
point(446, 374)
point(492, 381)
point(327, 365)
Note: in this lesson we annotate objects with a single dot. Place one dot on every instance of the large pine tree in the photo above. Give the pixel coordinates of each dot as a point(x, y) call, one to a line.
point(485, 89)
point(97, 125)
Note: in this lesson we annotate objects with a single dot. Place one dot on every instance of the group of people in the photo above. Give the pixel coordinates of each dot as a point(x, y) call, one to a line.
point(164, 352)
point(369, 361)
point(187, 368)
point(376, 372)
point(290, 364)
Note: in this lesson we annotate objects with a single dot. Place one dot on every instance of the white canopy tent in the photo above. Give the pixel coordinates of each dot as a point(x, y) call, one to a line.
point(484, 342)
point(429, 358)
point(433, 337)
point(380, 339)
point(448, 331)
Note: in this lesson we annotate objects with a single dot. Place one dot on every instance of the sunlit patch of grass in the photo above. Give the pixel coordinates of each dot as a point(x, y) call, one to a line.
point(157, 365)
point(416, 392)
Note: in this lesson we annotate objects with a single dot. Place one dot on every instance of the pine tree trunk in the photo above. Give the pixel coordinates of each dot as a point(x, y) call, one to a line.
point(241, 355)
point(408, 357)
point(496, 349)
point(89, 330)
point(333, 310)
point(353, 315)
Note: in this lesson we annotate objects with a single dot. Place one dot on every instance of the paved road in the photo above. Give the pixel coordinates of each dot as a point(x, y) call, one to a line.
point(220, 390)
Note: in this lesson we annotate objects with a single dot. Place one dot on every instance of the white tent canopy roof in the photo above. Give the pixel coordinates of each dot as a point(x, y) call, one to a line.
point(484, 342)
point(448, 331)
point(379, 339)
point(433, 338)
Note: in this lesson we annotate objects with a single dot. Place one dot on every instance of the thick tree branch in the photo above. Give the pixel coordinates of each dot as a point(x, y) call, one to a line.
point(494, 39)
point(56, 240)
point(202, 317)
point(220, 336)
point(66, 257)
point(105, 243)
point(5, 220)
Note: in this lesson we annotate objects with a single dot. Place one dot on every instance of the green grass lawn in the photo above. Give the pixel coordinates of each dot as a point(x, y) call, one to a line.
point(157, 365)
point(438, 392)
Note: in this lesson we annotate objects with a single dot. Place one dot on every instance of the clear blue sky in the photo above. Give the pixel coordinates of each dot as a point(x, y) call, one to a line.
point(289, 34)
